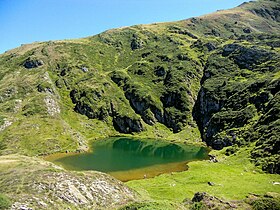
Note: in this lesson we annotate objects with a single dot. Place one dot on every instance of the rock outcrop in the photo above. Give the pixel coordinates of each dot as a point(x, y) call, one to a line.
point(206, 201)
point(42, 185)
point(230, 112)
point(127, 125)
point(32, 63)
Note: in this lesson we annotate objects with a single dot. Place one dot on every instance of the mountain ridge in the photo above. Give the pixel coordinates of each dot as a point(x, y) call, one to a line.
point(212, 80)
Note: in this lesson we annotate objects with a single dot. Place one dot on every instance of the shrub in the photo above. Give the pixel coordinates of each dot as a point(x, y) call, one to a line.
point(4, 202)
point(266, 204)
point(198, 206)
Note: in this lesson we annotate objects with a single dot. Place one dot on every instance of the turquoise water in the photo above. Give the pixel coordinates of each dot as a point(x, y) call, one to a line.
point(120, 154)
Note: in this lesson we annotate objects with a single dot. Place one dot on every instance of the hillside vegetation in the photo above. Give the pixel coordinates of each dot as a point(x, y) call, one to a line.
point(150, 80)
point(212, 79)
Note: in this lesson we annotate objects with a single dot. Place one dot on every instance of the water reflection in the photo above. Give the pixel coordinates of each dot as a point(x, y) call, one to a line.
point(121, 155)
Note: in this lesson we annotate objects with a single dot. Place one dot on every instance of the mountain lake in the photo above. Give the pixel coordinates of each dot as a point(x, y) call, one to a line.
point(128, 158)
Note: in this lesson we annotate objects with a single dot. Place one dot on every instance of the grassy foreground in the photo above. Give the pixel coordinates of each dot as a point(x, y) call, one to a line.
point(32, 183)
point(234, 178)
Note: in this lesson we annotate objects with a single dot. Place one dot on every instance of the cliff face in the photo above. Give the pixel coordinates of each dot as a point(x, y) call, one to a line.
point(218, 74)
point(237, 102)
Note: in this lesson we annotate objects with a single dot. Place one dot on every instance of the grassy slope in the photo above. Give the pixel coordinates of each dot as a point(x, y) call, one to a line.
point(184, 44)
point(23, 105)
point(234, 178)
point(178, 47)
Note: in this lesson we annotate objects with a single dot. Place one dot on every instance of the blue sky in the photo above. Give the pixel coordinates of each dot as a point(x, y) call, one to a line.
point(26, 21)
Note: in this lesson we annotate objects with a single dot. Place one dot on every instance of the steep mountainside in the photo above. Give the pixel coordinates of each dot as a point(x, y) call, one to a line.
point(215, 77)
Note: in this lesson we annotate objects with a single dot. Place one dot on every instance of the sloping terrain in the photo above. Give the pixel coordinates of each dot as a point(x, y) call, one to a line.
point(213, 78)
point(41, 185)
point(92, 88)
point(221, 68)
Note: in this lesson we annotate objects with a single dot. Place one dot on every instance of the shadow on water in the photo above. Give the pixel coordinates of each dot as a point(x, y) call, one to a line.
point(130, 158)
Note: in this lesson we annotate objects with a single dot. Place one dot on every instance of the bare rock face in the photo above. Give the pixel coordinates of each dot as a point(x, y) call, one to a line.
point(270, 13)
point(30, 63)
point(127, 125)
point(232, 113)
point(52, 106)
point(6, 123)
point(246, 57)
point(136, 42)
point(124, 123)
point(143, 106)
point(79, 191)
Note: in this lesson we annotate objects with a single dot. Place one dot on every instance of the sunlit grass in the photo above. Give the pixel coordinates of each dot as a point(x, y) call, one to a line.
point(234, 178)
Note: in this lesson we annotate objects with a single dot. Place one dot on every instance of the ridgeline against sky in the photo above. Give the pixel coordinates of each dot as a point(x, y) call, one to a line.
point(26, 21)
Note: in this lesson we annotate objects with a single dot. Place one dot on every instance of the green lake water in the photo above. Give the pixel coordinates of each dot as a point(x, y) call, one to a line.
point(130, 158)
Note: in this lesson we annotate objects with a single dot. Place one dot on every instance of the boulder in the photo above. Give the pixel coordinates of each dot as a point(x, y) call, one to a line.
point(29, 63)
point(213, 158)
point(210, 46)
point(212, 202)
point(160, 71)
point(199, 196)
point(136, 43)
point(211, 183)
point(84, 69)
point(247, 30)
